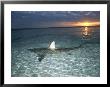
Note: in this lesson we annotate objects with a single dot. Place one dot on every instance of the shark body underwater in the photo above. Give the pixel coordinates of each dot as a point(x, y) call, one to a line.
point(42, 52)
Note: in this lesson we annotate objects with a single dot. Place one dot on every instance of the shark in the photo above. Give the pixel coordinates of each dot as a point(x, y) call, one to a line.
point(42, 52)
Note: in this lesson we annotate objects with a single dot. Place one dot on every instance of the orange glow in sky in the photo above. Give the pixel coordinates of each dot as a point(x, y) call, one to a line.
point(81, 23)
point(86, 24)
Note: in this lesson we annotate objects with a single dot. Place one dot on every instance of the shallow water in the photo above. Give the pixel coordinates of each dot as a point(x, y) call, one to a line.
point(83, 61)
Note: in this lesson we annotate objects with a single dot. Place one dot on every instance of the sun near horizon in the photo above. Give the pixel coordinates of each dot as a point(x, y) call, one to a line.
point(86, 24)
point(80, 24)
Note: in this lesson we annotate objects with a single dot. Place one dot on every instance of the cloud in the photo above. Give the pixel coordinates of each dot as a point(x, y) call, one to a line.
point(50, 18)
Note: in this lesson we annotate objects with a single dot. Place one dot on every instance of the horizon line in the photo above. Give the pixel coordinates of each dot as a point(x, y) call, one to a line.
point(55, 27)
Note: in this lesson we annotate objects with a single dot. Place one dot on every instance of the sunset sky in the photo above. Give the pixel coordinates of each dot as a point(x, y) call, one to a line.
point(36, 19)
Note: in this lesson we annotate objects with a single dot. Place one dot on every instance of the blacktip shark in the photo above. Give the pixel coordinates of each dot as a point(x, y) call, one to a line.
point(41, 52)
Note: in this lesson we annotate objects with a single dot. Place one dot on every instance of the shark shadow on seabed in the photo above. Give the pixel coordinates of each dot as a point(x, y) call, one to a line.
point(42, 52)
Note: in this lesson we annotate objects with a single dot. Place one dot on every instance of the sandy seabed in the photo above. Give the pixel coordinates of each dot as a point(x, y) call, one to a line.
point(83, 61)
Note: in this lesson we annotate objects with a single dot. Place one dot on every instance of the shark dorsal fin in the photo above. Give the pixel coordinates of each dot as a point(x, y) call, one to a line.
point(52, 45)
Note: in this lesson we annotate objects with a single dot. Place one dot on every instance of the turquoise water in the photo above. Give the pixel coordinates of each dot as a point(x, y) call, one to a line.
point(81, 60)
